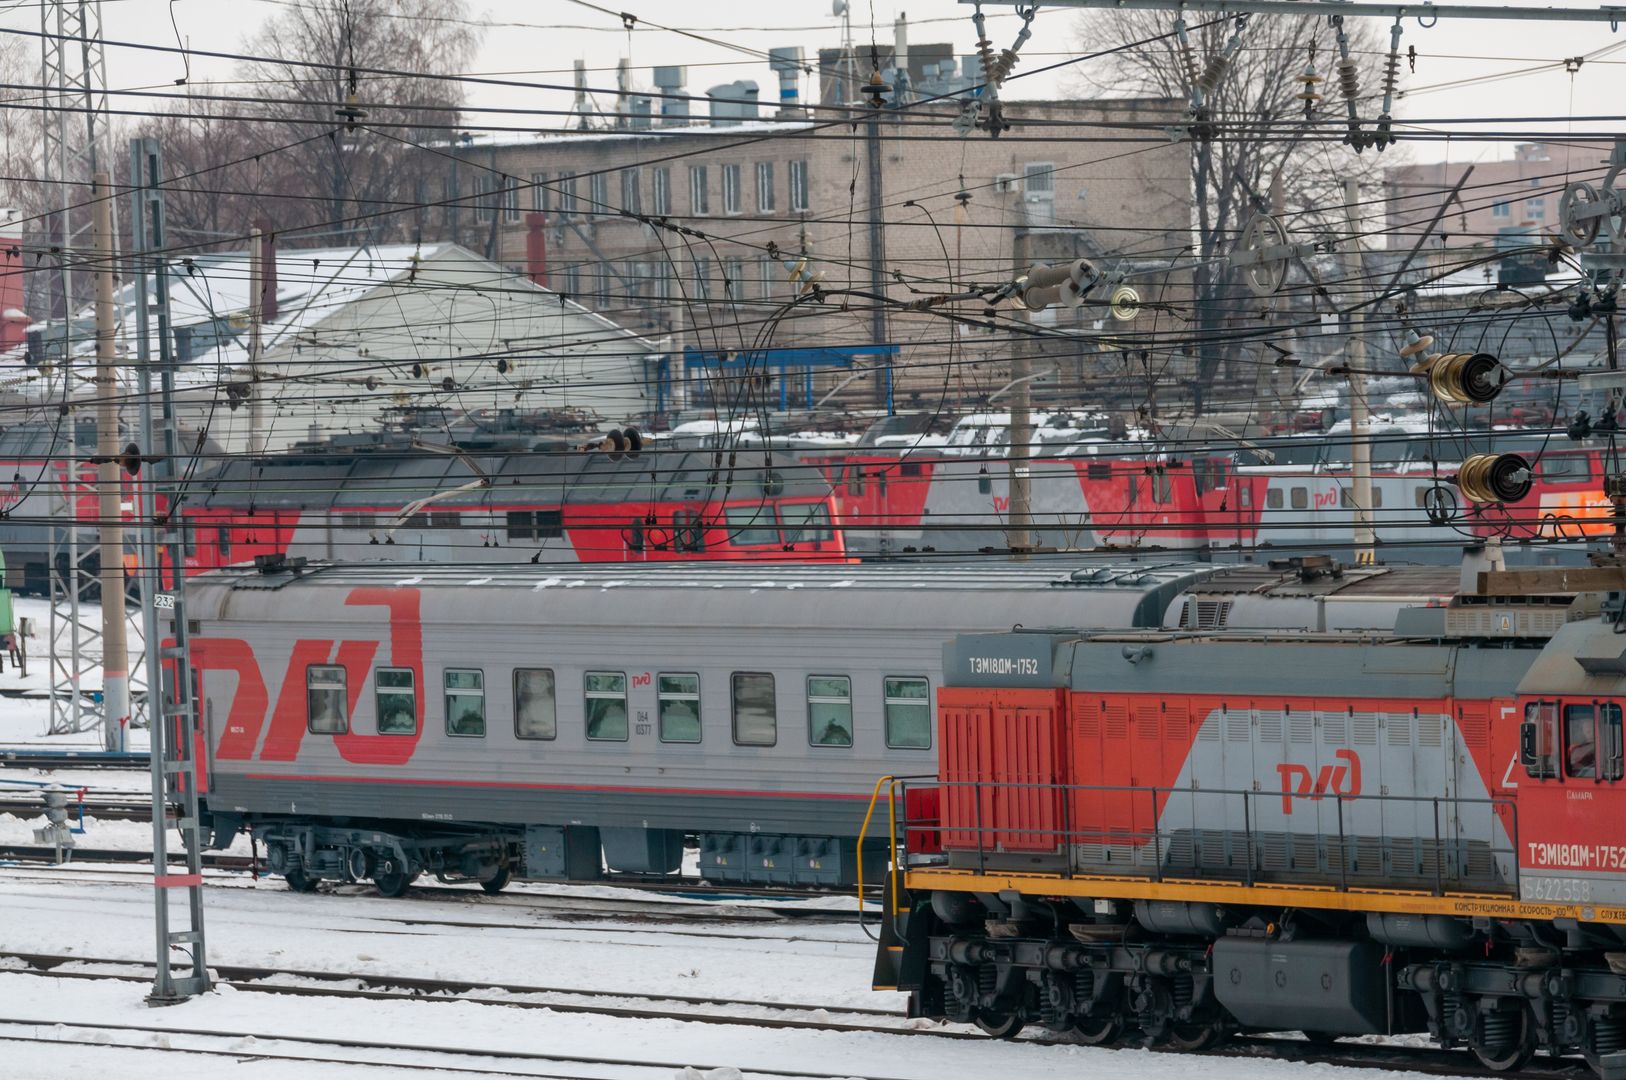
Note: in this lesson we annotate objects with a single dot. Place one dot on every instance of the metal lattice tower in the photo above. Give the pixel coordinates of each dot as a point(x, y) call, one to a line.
point(73, 70)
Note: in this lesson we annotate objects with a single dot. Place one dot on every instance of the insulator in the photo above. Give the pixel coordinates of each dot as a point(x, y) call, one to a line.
point(1391, 79)
point(1465, 378)
point(1491, 478)
point(1188, 56)
point(1349, 79)
point(1213, 72)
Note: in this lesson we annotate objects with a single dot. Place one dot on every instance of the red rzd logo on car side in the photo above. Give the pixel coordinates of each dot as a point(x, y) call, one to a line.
point(1298, 782)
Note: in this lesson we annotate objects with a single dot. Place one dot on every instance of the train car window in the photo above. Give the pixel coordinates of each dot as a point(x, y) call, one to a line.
point(223, 540)
point(751, 525)
point(535, 711)
point(855, 480)
point(909, 468)
point(1098, 470)
point(465, 702)
point(606, 694)
point(396, 699)
point(550, 524)
point(1538, 739)
point(1162, 487)
point(805, 523)
point(1612, 742)
point(1273, 498)
point(688, 534)
point(829, 710)
point(908, 713)
point(756, 720)
point(325, 700)
point(1581, 741)
point(445, 519)
point(1244, 497)
point(1564, 467)
point(1301, 498)
point(678, 707)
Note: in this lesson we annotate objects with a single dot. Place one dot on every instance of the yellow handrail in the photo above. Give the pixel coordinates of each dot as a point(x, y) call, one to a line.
point(891, 784)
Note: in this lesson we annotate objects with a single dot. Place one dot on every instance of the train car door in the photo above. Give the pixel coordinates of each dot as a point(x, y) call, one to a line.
point(1571, 765)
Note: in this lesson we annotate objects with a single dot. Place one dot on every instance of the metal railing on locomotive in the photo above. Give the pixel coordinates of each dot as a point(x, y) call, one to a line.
point(1358, 841)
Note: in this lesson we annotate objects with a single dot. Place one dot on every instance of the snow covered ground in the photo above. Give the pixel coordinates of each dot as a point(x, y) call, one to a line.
point(25, 721)
point(820, 964)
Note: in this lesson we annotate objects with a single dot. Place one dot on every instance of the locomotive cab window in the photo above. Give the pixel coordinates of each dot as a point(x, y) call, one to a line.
point(1538, 739)
point(1592, 741)
point(535, 712)
point(606, 701)
point(908, 713)
point(756, 722)
point(396, 699)
point(465, 702)
point(829, 710)
point(751, 525)
point(678, 704)
point(1273, 498)
point(805, 523)
point(325, 700)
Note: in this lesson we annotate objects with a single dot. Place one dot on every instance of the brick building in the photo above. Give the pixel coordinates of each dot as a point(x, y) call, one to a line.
point(1504, 204)
point(950, 211)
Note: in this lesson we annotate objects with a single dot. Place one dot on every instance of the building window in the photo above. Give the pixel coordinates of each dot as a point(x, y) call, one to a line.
point(764, 187)
point(567, 198)
point(699, 201)
point(908, 713)
point(396, 700)
point(733, 275)
point(606, 697)
point(731, 189)
point(798, 185)
point(510, 198)
point(770, 278)
point(535, 524)
point(755, 720)
point(1535, 209)
point(326, 703)
point(598, 193)
point(632, 191)
point(1501, 210)
point(829, 710)
point(540, 203)
point(1039, 179)
point(465, 702)
point(663, 191)
point(678, 707)
point(535, 713)
point(702, 277)
point(483, 197)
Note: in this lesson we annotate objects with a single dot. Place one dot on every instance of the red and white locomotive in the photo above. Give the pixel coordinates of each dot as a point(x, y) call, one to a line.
point(1180, 835)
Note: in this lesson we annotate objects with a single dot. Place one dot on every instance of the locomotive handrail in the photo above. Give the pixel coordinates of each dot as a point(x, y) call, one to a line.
point(892, 851)
point(1449, 849)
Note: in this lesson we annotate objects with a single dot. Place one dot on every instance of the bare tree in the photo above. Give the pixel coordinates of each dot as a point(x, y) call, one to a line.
point(1260, 156)
point(216, 183)
point(356, 170)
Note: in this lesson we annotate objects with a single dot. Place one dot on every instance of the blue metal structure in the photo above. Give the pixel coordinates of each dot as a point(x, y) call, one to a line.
point(780, 364)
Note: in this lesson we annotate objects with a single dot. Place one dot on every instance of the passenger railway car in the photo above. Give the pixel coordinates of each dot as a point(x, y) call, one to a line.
point(375, 722)
point(1177, 835)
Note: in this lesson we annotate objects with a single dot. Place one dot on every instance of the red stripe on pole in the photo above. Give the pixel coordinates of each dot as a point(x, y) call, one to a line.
point(176, 881)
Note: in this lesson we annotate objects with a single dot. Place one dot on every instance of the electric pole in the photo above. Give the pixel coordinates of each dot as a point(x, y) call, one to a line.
point(1018, 454)
point(256, 308)
point(1360, 444)
point(876, 90)
point(115, 650)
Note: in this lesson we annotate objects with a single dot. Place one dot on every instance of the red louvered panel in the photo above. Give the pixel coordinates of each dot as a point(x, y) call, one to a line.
point(1027, 771)
point(962, 734)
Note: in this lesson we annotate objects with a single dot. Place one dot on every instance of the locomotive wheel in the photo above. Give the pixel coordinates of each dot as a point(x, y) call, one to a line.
point(999, 1025)
point(1098, 1031)
point(299, 882)
point(391, 878)
point(1515, 1053)
point(497, 884)
point(1193, 1037)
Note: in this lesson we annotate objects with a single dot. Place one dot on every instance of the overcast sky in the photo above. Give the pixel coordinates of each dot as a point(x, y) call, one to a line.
point(536, 41)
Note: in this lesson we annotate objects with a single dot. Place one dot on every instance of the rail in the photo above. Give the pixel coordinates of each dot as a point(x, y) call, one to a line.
point(1321, 838)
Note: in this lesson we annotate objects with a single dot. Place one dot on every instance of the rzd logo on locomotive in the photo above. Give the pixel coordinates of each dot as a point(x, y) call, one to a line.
point(1298, 782)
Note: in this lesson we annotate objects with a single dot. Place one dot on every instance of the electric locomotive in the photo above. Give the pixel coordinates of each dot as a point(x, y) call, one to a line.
point(1173, 836)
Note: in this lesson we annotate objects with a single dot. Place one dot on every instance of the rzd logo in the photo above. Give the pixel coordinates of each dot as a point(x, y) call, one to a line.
point(1298, 782)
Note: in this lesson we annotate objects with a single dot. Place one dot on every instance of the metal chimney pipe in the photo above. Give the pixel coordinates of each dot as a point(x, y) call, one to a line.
point(787, 63)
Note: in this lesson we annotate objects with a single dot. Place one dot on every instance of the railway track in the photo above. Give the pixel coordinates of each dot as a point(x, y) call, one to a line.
point(100, 807)
point(1387, 1057)
point(704, 900)
point(74, 759)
